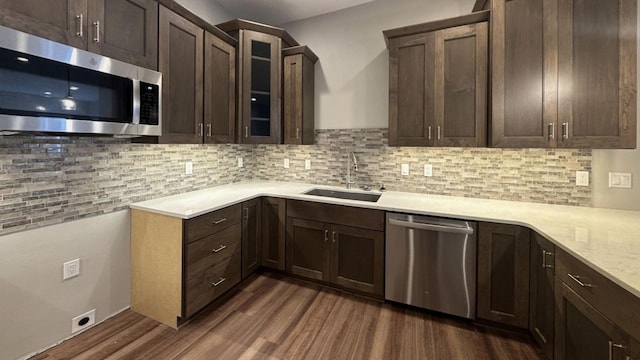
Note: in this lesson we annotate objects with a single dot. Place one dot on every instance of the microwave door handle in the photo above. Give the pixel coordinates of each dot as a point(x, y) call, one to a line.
point(135, 113)
point(431, 227)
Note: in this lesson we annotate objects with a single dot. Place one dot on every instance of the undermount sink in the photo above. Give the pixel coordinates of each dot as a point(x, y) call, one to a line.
point(344, 195)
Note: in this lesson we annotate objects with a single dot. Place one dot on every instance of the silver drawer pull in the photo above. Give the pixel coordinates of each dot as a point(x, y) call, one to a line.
point(96, 27)
point(219, 282)
point(576, 278)
point(80, 20)
point(614, 345)
point(544, 259)
point(222, 247)
point(219, 221)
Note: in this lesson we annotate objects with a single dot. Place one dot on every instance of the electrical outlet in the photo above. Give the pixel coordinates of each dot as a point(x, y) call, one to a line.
point(70, 269)
point(83, 321)
point(428, 170)
point(582, 178)
point(307, 164)
point(188, 168)
point(620, 180)
point(404, 169)
point(286, 163)
point(240, 162)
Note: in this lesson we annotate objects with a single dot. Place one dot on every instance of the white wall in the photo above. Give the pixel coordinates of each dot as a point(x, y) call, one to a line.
point(605, 161)
point(208, 10)
point(352, 75)
point(36, 306)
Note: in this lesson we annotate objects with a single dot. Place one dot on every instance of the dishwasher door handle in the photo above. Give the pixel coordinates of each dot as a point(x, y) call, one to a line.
point(433, 227)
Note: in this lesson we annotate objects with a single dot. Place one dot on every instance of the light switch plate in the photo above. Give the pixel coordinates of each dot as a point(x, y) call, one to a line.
point(620, 180)
point(428, 170)
point(307, 164)
point(286, 163)
point(188, 168)
point(404, 169)
point(240, 163)
point(70, 269)
point(582, 178)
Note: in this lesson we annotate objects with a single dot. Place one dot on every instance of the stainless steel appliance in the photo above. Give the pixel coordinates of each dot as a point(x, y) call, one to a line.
point(431, 263)
point(49, 87)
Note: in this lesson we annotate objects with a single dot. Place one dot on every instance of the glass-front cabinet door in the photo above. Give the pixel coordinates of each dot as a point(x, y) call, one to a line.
point(260, 93)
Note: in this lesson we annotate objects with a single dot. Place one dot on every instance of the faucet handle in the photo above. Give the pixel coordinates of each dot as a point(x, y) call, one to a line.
point(382, 188)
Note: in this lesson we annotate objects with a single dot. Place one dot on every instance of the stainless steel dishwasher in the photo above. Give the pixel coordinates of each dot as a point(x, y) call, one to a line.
point(431, 263)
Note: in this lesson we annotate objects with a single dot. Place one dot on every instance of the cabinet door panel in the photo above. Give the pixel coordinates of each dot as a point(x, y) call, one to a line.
point(411, 90)
point(357, 259)
point(596, 74)
point(251, 236)
point(308, 249)
point(523, 73)
point(461, 84)
point(219, 90)
point(273, 232)
point(542, 306)
point(180, 61)
point(503, 274)
point(582, 332)
point(128, 30)
point(57, 20)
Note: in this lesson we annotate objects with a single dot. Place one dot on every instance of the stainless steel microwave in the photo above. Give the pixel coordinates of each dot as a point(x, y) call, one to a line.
point(48, 87)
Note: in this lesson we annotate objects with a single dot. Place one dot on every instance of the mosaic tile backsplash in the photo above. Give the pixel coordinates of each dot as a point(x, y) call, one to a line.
point(49, 179)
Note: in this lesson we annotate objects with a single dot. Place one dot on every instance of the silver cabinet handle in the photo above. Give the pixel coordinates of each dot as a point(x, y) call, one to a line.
point(438, 132)
point(297, 133)
point(200, 128)
point(219, 221)
point(333, 237)
point(544, 259)
point(219, 282)
point(429, 132)
point(96, 28)
point(565, 130)
point(326, 235)
point(209, 130)
point(577, 279)
point(246, 131)
point(432, 227)
point(222, 247)
point(80, 21)
point(614, 345)
point(246, 213)
point(552, 131)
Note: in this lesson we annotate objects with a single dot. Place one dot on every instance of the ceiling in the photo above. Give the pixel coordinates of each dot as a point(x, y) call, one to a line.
point(277, 12)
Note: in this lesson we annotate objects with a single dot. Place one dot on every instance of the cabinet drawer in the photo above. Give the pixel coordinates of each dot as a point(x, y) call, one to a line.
point(210, 223)
point(202, 290)
point(212, 250)
point(336, 214)
point(614, 302)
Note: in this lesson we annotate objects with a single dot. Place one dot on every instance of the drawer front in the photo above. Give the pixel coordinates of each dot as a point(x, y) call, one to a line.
point(212, 250)
point(336, 214)
point(614, 302)
point(210, 223)
point(202, 290)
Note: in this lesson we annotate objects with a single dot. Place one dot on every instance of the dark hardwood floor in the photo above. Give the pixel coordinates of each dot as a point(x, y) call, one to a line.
point(275, 317)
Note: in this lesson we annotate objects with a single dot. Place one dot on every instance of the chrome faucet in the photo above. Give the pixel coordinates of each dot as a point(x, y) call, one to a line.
point(351, 158)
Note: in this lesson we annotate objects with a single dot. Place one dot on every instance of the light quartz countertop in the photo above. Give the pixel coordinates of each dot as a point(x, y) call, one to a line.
point(607, 240)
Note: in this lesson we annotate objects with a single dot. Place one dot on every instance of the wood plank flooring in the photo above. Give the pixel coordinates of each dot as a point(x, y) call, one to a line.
point(275, 317)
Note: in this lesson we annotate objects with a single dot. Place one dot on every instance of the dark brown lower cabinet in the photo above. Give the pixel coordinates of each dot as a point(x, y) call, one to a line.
point(541, 296)
point(251, 236)
point(583, 333)
point(503, 274)
point(274, 215)
point(342, 246)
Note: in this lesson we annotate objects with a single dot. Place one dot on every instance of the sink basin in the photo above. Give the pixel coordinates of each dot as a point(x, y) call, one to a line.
point(344, 195)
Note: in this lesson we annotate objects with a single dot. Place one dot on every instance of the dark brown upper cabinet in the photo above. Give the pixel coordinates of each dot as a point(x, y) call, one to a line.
point(181, 63)
point(298, 95)
point(563, 73)
point(260, 82)
point(198, 74)
point(126, 30)
point(438, 82)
